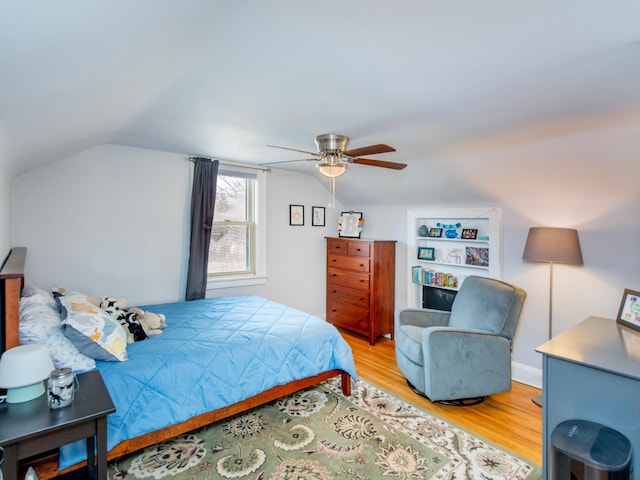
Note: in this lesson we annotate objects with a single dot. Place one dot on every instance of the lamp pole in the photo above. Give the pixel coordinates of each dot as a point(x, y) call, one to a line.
point(550, 299)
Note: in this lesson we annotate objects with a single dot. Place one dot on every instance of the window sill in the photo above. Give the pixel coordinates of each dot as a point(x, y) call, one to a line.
point(231, 282)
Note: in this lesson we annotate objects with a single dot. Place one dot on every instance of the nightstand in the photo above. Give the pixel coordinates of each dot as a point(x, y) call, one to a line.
point(31, 428)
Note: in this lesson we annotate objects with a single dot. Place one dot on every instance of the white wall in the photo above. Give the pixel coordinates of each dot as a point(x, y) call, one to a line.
point(5, 211)
point(107, 221)
point(113, 220)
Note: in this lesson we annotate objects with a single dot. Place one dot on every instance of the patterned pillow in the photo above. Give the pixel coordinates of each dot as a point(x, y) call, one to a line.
point(92, 330)
point(40, 323)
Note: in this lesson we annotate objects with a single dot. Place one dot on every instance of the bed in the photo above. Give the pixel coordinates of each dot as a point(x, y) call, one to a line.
point(259, 350)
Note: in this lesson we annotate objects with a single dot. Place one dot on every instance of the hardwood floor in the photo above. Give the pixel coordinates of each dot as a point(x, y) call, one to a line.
point(508, 419)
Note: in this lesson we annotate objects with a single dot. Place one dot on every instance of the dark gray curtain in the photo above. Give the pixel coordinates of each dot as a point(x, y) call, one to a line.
point(203, 202)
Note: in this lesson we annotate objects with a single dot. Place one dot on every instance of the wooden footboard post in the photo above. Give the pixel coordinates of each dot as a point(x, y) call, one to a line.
point(346, 384)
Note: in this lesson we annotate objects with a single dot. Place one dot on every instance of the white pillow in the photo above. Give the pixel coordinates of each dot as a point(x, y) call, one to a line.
point(39, 294)
point(40, 323)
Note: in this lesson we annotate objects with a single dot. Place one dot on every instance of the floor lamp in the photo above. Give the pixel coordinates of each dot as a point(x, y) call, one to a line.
point(552, 245)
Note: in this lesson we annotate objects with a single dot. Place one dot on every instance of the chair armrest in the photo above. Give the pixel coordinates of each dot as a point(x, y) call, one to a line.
point(422, 317)
point(461, 342)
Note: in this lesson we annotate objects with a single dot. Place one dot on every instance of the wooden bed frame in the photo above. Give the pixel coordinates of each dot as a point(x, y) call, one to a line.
point(11, 283)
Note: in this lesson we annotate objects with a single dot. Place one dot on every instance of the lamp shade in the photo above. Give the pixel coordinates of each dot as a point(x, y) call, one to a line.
point(555, 245)
point(331, 170)
point(22, 371)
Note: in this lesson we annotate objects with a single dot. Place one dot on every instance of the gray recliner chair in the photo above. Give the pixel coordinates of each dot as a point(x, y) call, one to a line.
point(462, 356)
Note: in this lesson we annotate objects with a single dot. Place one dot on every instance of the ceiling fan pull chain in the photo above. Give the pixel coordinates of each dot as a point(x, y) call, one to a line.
point(333, 193)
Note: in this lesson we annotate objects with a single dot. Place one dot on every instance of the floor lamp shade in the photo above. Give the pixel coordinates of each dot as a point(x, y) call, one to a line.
point(549, 244)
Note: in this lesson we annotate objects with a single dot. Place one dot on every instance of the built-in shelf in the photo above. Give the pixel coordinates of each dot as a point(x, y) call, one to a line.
point(447, 259)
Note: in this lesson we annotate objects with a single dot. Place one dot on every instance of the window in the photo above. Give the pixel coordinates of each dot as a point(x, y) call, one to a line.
point(236, 253)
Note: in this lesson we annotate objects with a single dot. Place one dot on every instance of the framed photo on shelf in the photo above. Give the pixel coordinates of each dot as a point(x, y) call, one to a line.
point(350, 224)
point(317, 216)
point(629, 312)
point(426, 253)
point(435, 232)
point(476, 256)
point(296, 215)
point(469, 233)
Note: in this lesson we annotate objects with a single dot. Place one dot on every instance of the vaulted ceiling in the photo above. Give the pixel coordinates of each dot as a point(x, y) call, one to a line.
point(226, 78)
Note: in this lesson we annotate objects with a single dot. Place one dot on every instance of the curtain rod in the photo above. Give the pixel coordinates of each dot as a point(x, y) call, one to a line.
point(228, 163)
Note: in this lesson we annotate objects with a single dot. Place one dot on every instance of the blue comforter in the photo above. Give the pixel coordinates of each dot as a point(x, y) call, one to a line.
point(213, 353)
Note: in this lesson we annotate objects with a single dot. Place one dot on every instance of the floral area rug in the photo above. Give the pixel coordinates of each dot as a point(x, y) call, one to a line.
point(320, 434)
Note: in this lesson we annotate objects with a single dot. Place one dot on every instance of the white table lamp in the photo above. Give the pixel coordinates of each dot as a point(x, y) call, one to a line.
point(22, 371)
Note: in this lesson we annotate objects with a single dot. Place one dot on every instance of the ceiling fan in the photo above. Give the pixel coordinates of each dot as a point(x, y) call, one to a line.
point(333, 158)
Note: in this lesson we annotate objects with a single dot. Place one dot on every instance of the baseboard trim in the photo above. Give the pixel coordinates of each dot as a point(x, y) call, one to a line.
point(526, 374)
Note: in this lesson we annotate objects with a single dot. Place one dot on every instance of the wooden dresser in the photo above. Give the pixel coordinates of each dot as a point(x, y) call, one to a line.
point(361, 285)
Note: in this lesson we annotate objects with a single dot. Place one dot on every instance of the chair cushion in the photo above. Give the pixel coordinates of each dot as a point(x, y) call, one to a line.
point(483, 304)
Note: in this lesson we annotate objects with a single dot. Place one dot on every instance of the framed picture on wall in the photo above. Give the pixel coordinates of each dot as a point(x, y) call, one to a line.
point(435, 232)
point(629, 312)
point(296, 215)
point(317, 216)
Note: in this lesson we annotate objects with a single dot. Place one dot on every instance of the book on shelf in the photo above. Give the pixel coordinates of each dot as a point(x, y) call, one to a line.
point(426, 276)
point(416, 273)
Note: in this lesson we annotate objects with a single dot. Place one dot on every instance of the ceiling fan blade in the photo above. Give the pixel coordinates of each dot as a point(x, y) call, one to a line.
point(290, 161)
point(295, 150)
point(379, 163)
point(370, 150)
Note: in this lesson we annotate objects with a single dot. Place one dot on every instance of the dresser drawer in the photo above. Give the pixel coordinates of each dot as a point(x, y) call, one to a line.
point(350, 296)
point(348, 316)
point(349, 279)
point(359, 264)
point(341, 247)
point(359, 249)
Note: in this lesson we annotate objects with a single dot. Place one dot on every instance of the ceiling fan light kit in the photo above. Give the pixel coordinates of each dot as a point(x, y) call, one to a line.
point(331, 170)
point(334, 159)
